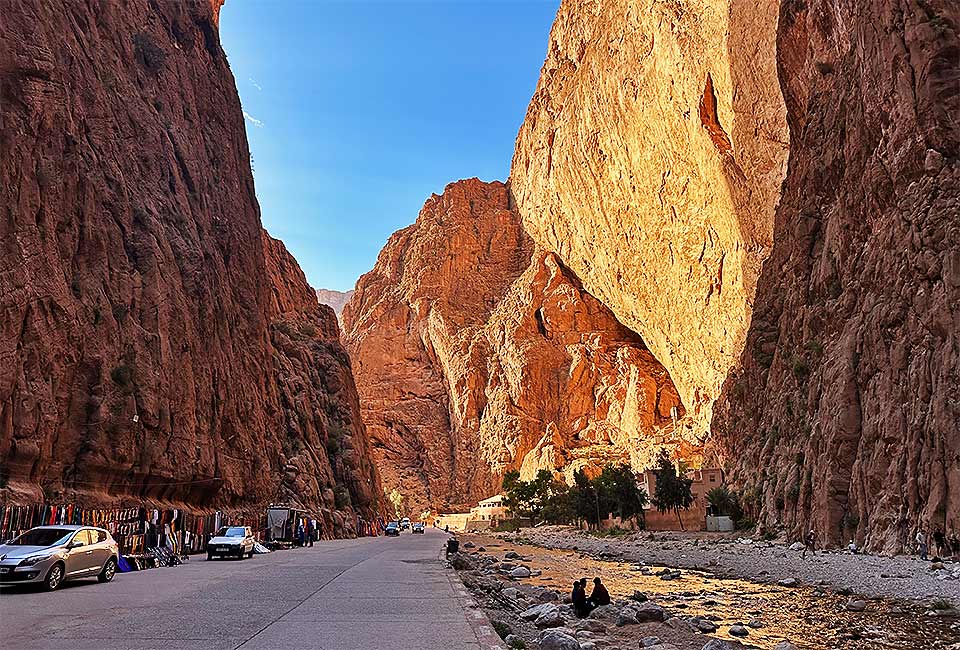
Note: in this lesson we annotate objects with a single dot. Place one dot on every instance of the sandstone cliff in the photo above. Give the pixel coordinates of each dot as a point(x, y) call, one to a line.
point(153, 343)
point(475, 353)
point(845, 414)
point(650, 162)
point(336, 300)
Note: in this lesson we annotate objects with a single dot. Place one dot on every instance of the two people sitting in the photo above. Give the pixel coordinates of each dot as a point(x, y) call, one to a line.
point(583, 605)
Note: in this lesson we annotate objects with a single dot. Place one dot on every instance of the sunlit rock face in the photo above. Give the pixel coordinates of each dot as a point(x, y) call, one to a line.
point(650, 162)
point(154, 342)
point(845, 416)
point(475, 353)
point(334, 299)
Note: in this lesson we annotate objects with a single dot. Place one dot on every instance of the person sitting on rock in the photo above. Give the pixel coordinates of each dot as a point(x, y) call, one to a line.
point(600, 595)
point(579, 599)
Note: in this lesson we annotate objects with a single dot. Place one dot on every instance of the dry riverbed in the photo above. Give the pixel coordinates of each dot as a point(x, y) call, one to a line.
point(716, 593)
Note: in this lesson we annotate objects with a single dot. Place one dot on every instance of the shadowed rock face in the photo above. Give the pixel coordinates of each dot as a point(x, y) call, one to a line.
point(845, 415)
point(154, 342)
point(476, 353)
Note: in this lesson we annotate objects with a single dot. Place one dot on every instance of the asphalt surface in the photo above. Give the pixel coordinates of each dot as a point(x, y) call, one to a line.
point(339, 595)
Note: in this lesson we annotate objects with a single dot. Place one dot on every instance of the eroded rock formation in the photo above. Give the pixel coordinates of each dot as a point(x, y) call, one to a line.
point(334, 299)
point(475, 352)
point(650, 162)
point(845, 414)
point(153, 341)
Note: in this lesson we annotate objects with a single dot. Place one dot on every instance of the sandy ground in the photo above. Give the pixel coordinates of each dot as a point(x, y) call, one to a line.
point(901, 577)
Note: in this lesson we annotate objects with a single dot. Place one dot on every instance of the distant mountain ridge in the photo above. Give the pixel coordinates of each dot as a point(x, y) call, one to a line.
point(334, 299)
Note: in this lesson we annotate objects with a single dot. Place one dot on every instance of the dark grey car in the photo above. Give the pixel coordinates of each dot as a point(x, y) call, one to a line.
point(49, 555)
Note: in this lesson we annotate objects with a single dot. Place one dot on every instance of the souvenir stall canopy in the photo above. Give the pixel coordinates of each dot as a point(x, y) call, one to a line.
point(136, 529)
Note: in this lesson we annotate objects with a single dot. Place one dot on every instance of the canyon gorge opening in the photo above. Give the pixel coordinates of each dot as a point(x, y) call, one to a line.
point(730, 228)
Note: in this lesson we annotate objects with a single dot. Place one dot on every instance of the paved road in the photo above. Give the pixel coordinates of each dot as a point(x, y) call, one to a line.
point(341, 595)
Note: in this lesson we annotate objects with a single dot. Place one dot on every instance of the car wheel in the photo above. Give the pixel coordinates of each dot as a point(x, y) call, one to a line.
point(240, 553)
point(209, 556)
point(109, 570)
point(54, 577)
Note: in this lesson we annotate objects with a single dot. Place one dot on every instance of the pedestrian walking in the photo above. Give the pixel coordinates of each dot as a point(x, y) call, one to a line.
point(300, 533)
point(921, 544)
point(809, 543)
point(310, 531)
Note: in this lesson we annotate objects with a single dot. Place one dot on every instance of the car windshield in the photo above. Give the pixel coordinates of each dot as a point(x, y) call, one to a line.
point(233, 531)
point(392, 524)
point(43, 537)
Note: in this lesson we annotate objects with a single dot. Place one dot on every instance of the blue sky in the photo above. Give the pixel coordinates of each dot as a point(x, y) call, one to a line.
point(358, 111)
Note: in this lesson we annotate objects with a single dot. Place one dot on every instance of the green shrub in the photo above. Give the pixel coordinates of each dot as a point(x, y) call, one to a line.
point(501, 628)
point(506, 526)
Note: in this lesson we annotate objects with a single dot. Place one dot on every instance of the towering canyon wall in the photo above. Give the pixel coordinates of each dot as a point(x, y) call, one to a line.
point(475, 353)
point(154, 342)
point(845, 414)
point(650, 162)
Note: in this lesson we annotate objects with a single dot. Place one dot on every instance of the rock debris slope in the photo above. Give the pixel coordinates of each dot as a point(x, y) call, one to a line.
point(475, 352)
point(154, 342)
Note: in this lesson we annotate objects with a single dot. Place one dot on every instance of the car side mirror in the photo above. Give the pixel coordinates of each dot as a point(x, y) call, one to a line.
point(73, 545)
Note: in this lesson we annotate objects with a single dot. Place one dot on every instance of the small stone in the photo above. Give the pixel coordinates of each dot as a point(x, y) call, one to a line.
point(638, 596)
point(787, 582)
point(785, 645)
point(706, 626)
point(646, 612)
point(520, 572)
point(717, 644)
point(550, 618)
point(511, 592)
point(469, 545)
point(536, 611)
point(855, 605)
point(555, 640)
point(511, 555)
point(738, 630)
point(755, 623)
point(796, 546)
point(648, 641)
point(626, 616)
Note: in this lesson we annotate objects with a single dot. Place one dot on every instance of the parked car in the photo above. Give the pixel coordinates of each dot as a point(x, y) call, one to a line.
point(418, 527)
point(231, 541)
point(405, 523)
point(48, 555)
point(392, 529)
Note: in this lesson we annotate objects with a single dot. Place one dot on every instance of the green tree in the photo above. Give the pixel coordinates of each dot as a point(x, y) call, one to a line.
point(724, 502)
point(673, 491)
point(536, 499)
point(586, 499)
point(620, 492)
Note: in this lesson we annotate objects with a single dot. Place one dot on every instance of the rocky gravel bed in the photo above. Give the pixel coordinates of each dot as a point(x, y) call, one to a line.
point(899, 577)
point(530, 609)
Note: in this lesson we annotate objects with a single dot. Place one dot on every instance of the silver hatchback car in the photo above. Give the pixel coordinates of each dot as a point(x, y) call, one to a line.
point(51, 554)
